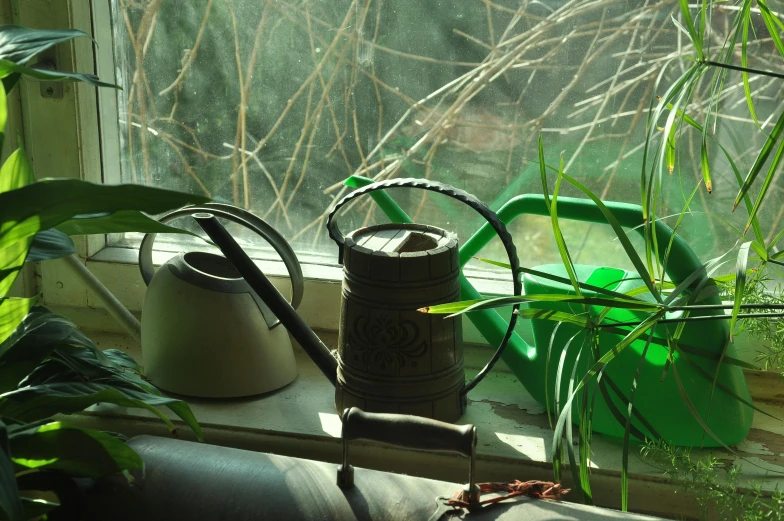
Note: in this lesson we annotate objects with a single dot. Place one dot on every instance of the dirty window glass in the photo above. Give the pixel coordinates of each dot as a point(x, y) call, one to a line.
point(271, 105)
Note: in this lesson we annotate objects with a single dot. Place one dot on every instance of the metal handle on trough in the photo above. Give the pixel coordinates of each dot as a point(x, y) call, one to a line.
point(411, 432)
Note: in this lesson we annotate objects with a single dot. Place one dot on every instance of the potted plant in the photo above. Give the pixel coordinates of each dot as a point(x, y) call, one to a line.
point(47, 366)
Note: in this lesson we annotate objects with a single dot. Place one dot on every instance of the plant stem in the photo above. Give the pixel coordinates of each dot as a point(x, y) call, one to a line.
point(744, 69)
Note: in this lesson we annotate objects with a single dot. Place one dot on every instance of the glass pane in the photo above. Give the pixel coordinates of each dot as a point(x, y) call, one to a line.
point(271, 105)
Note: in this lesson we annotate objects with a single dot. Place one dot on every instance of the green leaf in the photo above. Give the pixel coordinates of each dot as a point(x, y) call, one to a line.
point(79, 452)
point(557, 316)
point(8, 68)
point(10, 502)
point(696, 37)
point(705, 163)
point(15, 173)
point(19, 44)
point(50, 202)
point(42, 401)
point(543, 174)
point(50, 244)
point(117, 222)
point(771, 21)
point(3, 119)
point(766, 184)
point(37, 336)
point(622, 237)
point(566, 258)
point(35, 508)
point(740, 284)
point(759, 162)
point(746, 21)
point(627, 430)
point(12, 312)
point(465, 306)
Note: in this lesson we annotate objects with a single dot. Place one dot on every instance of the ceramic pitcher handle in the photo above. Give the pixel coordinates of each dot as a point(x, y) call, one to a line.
point(412, 432)
point(474, 203)
point(243, 218)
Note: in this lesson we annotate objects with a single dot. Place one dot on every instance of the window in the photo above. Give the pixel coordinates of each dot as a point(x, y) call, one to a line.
point(271, 105)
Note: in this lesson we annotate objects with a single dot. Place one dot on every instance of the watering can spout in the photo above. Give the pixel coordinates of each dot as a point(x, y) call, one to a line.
point(313, 346)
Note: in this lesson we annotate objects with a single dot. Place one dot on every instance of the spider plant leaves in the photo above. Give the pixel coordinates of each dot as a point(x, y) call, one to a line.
point(79, 452)
point(705, 163)
point(456, 308)
point(562, 280)
point(10, 502)
point(766, 184)
point(759, 162)
point(631, 253)
point(745, 20)
point(627, 429)
point(50, 202)
point(771, 21)
point(543, 174)
point(560, 242)
point(740, 284)
point(694, 34)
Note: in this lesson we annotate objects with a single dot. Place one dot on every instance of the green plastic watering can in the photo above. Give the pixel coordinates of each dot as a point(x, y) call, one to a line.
point(664, 402)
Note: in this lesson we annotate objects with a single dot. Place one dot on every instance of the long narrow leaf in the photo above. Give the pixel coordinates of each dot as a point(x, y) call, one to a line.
point(627, 430)
point(740, 284)
point(766, 183)
point(762, 157)
point(695, 36)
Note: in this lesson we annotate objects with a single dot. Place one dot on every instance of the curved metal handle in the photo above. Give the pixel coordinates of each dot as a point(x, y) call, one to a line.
point(682, 261)
point(243, 218)
point(411, 432)
point(464, 197)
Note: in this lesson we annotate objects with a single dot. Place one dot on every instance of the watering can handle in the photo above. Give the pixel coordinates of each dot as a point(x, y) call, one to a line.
point(413, 432)
point(243, 218)
point(464, 197)
point(682, 261)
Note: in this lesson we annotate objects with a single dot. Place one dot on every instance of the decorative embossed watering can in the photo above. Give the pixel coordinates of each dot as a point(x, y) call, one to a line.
point(390, 357)
point(703, 378)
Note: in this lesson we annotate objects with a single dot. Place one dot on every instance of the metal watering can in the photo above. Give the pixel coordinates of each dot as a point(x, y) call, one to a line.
point(204, 331)
point(390, 358)
point(661, 407)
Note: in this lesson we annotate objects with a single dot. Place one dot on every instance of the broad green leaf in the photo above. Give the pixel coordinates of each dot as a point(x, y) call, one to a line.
point(3, 119)
point(16, 172)
point(759, 162)
point(79, 452)
point(35, 508)
point(43, 401)
point(12, 257)
point(37, 336)
point(117, 222)
point(12, 312)
point(50, 244)
point(19, 44)
point(8, 68)
point(10, 502)
point(50, 202)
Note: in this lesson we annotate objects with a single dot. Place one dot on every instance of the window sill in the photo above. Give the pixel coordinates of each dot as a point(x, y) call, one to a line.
point(513, 432)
